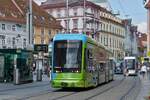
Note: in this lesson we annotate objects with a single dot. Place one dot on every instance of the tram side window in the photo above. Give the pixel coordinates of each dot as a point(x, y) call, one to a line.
point(89, 53)
point(102, 67)
point(89, 60)
point(111, 64)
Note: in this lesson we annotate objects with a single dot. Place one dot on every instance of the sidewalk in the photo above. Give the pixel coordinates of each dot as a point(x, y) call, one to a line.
point(11, 86)
point(145, 88)
point(9, 91)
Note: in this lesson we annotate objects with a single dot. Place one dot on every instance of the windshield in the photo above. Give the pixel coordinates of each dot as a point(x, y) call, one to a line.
point(67, 56)
point(130, 63)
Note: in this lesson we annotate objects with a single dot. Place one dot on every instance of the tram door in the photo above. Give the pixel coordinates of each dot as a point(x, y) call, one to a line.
point(1, 67)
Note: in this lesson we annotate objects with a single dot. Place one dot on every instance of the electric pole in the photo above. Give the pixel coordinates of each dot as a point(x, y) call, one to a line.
point(67, 11)
point(84, 21)
point(29, 24)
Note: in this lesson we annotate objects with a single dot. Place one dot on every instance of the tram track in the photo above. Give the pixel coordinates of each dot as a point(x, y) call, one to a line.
point(25, 87)
point(59, 98)
point(99, 93)
point(46, 92)
point(124, 97)
point(51, 93)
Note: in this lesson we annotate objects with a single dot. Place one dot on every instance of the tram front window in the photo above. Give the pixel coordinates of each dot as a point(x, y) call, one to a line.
point(130, 64)
point(67, 56)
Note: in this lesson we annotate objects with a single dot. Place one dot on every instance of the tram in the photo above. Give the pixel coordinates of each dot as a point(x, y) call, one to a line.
point(130, 65)
point(78, 61)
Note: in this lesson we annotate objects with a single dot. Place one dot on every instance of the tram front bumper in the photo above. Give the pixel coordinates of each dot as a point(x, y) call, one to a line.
point(67, 83)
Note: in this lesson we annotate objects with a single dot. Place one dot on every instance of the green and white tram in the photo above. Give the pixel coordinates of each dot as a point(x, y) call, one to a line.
point(78, 61)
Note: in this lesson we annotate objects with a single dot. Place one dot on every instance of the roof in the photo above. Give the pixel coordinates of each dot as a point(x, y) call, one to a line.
point(15, 11)
point(62, 3)
point(99, 1)
point(53, 1)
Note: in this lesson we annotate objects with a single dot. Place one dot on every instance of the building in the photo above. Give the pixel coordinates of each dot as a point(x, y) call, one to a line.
point(130, 38)
point(13, 24)
point(112, 33)
point(142, 44)
point(147, 6)
point(94, 20)
point(102, 3)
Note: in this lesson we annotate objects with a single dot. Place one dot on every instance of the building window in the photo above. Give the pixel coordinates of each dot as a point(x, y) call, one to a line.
point(42, 35)
point(3, 26)
point(104, 40)
point(13, 27)
point(9, 27)
point(75, 23)
point(113, 43)
point(49, 32)
point(101, 39)
point(3, 42)
point(110, 41)
point(24, 43)
point(9, 40)
point(65, 23)
point(13, 42)
point(75, 11)
point(58, 13)
point(104, 28)
point(107, 27)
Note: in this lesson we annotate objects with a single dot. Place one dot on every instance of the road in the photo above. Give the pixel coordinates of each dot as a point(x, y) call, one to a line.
point(122, 88)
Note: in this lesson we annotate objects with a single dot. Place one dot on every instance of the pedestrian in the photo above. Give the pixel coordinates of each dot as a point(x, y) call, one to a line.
point(143, 70)
point(125, 71)
point(148, 72)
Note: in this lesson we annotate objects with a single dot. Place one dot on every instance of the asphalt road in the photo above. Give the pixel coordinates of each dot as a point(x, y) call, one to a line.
point(122, 88)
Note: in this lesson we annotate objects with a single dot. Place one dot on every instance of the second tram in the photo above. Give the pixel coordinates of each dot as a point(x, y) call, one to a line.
point(78, 61)
point(130, 64)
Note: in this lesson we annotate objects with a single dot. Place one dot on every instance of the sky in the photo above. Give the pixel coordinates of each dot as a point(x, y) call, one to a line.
point(128, 9)
point(131, 9)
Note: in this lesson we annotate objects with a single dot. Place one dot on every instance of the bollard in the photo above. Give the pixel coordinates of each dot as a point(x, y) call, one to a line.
point(16, 76)
point(39, 75)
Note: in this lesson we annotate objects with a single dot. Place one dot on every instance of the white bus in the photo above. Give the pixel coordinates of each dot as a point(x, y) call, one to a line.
point(130, 65)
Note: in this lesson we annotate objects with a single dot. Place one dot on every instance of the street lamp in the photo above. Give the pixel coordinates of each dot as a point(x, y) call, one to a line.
point(29, 25)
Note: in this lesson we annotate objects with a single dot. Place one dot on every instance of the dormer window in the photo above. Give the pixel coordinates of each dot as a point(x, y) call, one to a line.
point(2, 14)
point(35, 17)
point(75, 11)
point(12, 14)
